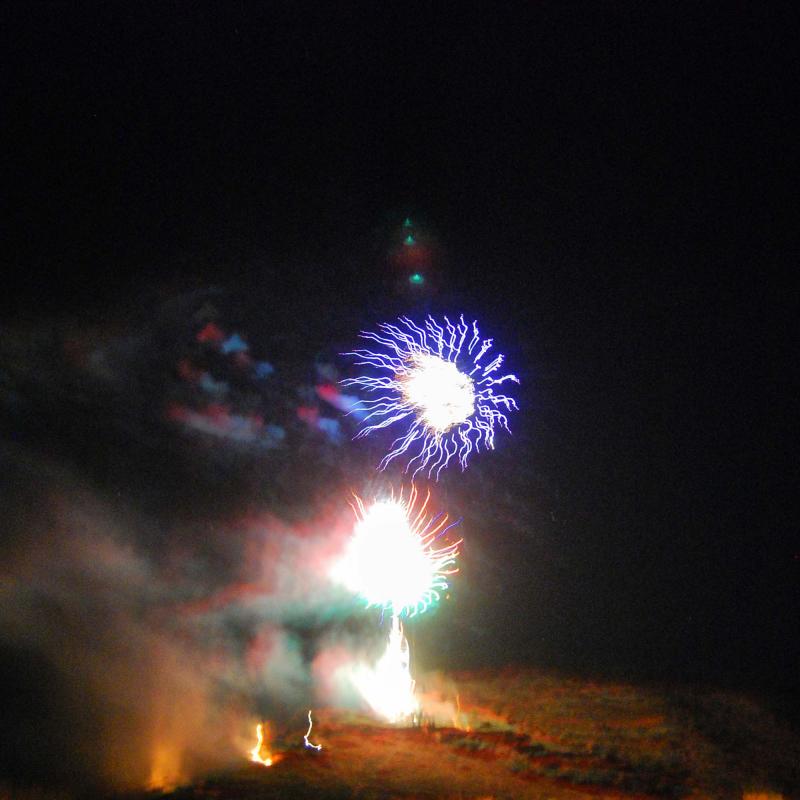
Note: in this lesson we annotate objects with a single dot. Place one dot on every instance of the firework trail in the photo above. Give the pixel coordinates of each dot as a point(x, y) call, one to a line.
point(387, 686)
point(433, 380)
point(306, 740)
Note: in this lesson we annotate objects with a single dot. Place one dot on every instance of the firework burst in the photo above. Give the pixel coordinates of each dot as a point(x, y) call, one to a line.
point(433, 380)
point(392, 560)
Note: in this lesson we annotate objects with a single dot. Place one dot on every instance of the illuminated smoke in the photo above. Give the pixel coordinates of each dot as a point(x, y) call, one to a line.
point(432, 381)
point(165, 770)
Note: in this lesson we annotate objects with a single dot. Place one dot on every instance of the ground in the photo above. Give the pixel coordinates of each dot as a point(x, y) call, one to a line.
point(526, 734)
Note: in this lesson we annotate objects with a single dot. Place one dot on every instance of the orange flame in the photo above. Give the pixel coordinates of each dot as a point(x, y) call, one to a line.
point(165, 769)
point(255, 753)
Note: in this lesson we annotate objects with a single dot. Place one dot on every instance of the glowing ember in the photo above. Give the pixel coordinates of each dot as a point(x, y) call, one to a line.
point(308, 733)
point(388, 687)
point(255, 753)
point(430, 379)
point(391, 560)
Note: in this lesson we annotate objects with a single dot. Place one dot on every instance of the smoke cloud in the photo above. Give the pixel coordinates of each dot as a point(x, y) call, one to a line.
point(164, 586)
point(138, 651)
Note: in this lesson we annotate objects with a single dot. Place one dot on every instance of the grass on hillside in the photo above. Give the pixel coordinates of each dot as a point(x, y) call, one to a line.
point(521, 734)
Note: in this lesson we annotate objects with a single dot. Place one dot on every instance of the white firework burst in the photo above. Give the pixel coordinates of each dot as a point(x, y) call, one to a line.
point(432, 380)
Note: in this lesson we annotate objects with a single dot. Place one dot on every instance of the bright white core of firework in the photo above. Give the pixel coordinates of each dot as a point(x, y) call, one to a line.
point(441, 395)
point(385, 561)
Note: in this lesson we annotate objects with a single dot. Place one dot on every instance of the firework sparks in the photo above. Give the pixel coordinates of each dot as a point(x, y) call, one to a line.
point(387, 686)
point(392, 561)
point(255, 753)
point(433, 381)
point(308, 733)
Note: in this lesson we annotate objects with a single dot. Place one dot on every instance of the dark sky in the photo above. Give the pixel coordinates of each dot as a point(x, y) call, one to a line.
point(609, 185)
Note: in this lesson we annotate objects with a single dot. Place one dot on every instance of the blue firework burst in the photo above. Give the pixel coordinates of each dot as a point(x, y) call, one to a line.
point(438, 383)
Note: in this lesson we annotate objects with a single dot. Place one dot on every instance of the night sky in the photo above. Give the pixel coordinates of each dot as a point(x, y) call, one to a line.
point(607, 187)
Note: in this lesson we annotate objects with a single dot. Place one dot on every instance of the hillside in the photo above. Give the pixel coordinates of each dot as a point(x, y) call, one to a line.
point(524, 734)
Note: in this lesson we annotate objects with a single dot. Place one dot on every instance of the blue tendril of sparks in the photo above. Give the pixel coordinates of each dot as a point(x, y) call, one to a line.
point(400, 347)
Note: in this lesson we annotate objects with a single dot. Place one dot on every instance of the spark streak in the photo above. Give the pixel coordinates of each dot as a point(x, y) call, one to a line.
point(432, 380)
point(308, 733)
